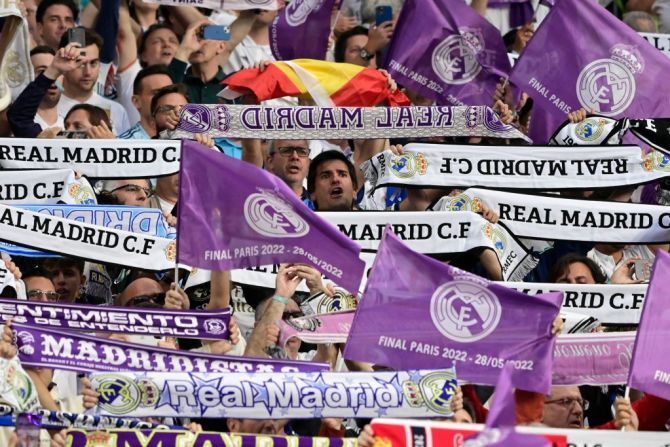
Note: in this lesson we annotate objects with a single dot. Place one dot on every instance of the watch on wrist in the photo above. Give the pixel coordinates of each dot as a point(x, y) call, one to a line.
point(365, 55)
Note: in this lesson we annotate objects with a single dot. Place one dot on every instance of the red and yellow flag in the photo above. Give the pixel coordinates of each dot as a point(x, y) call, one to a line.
point(347, 85)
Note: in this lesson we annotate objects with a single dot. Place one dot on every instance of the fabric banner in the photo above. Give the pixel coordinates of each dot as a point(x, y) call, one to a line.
point(509, 167)
point(274, 123)
point(52, 348)
point(157, 322)
point(277, 226)
point(317, 329)
point(218, 5)
point(413, 433)
point(102, 159)
point(17, 390)
point(148, 221)
point(660, 41)
point(592, 359)
point(416, 393)
point(650, 368)
point(94, 242)
point(180, 438)
point(554, 218)
point(320, 303)
point(437, 233)
point(45, 187)
point(301, 30)
point(613, 72)
point(450, 315)
point(457, 58)
point(609, 303)
point(53, 420)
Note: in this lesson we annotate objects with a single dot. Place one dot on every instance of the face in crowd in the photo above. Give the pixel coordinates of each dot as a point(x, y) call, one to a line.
point(333, 187)
point(564, 408)
point(289, 160)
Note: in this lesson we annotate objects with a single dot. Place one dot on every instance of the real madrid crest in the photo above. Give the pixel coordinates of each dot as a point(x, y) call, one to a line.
point(408, 164)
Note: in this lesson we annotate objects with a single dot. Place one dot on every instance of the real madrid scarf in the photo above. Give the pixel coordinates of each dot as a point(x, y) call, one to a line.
point(54, 348)
point(514, 167)
point(181, 438)
point(601, 130)
point(317, 329)
point(418, 393)
point(45, 187)
point(232, 121)
point(93, 242)
point(104, 159)
point(554, 218)
point(217, 5)
point(127, 320)
point(56, 420)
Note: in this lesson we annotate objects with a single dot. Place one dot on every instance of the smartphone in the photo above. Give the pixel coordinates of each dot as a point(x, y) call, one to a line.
point(642, 270)
point(383, 13)
point(77, 35)
point(71, 135)
point(215, 32)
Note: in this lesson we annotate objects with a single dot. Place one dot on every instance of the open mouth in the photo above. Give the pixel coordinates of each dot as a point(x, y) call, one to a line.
point(293, 169)
point(336, 192)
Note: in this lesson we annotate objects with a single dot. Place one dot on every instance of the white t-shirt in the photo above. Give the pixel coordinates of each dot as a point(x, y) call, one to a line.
point(607, 264)
point(247, 54)
point(124, 90)
point(118, 114)
point(44, 125)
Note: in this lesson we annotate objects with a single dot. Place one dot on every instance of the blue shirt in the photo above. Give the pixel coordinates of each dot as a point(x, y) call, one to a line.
point(136, 132)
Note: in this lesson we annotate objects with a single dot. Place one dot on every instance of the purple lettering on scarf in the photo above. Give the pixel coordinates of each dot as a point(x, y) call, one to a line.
point(235, 215)
point(49, 348)
point(449, 316)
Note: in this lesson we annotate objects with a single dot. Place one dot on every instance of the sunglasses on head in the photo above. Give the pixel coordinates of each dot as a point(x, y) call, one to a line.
point(152, 300)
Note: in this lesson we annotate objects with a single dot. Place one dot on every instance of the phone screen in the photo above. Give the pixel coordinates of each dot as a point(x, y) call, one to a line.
point(383, 14)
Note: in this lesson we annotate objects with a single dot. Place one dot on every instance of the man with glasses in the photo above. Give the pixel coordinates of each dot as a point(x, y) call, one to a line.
point(129, 192)
point(289, 160)
point(39, 286)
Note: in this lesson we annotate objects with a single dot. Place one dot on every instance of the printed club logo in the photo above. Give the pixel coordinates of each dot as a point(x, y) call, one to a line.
point(408, 164)
point(194, 118)
point(270, 214)
point(656, 161)
point(80, 194)
point(171, 251)
point(340, 301)
point(590, 129)
point(25, 342)
point(608, 86)
point(464, 203)
point(215, 326)
point(464, 311)
point(498, 238)
point(434, 390)
point(298, 10)
point(454, 60)
point(118, 394)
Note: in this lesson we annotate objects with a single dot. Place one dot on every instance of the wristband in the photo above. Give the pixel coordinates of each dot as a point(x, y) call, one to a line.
point(280, 299)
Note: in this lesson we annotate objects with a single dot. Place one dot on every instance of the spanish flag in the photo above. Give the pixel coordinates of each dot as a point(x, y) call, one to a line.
point(347, 85)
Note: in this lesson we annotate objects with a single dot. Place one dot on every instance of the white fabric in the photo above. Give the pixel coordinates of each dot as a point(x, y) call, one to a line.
point(44, 125)
point(607, 264)
point(166, 206)
point(119, 117)
point(662, 9)
point(124, 90)
point(247, 54)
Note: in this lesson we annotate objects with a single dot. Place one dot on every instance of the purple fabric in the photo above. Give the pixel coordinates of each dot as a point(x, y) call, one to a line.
point(419, 313)
point(520, 11)
point(140, 321)
point(234, 215)
point(650, 366)
point(613, 71)
point(300, 31)
point(457, 58)
point(499, 428)
point(41, 347)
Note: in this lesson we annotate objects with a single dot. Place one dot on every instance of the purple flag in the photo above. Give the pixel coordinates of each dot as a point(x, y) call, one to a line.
point(457, 57)
point(234, 215)
point(499, 429)
point(650, 366)
point(419, 313)
point(300, 31)
point(567, 65)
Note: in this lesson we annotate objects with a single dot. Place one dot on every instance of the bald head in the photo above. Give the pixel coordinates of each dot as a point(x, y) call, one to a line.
point(142, 286)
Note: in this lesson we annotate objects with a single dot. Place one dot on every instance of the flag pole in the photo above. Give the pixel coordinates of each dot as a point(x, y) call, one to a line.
point(626, 395)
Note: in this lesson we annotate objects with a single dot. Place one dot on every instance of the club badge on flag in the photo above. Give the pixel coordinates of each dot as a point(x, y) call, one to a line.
point(613, 72)
point(301, 29)
point(275, 226)
point(650, 366)
point(450, 316)
point(457, 58)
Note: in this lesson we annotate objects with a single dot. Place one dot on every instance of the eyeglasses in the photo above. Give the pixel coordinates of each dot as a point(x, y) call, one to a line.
point(133, 188)
point(287, 151)
point(164, 109)
point(36, 294)
point(153, 300)
point(567, 402)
